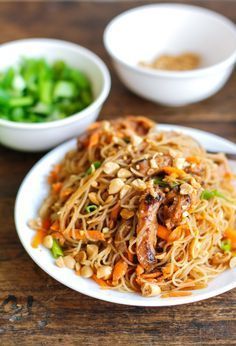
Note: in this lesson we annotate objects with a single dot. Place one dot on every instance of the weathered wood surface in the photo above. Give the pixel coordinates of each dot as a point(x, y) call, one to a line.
point(35, 309)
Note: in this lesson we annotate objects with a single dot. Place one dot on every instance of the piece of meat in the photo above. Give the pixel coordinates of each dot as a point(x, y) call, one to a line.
point(173, 208)
point(147, 228)
point(161, 162)
point(136, 124)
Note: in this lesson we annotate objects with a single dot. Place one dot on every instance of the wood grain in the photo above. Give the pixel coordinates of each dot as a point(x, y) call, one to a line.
point(35, 309)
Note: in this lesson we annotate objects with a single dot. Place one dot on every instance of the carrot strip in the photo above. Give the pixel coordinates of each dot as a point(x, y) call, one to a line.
point(176, 294)
point(115, 212)
point(53, 176)
point(230, 233)
point(46, 223)
point(114, 215)
point(130, 256)
point(56, 187)
point(100, 282)
point(173, 171)
point(139, 270)
point(83, 235)
point(193, 159)
point(38, 238)
point(151, 275)
point(66, 192)
point(55, 226)
point(119, 271)
point(175, 234)
point(163, 232)
point(94, 126)
point(94, 139)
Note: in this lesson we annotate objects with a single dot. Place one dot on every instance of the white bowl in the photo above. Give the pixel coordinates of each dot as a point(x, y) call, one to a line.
point(143, 33)
point(34, 190)
point(42, 136)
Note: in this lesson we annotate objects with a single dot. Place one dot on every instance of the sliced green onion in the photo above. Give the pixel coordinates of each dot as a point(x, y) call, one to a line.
point(21, 101)
point(45, 92)
point(91, 208)
point(56, 249)
point(207, 194)
point(95, 165)
point(159, 181)
point(226, 245)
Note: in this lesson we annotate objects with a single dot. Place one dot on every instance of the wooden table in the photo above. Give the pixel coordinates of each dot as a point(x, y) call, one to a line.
point(35, 309)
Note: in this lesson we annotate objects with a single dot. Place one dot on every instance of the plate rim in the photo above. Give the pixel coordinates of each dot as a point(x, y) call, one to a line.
point(63, 148)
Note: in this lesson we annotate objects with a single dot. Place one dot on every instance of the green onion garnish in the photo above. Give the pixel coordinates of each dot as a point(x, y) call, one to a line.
point(56, 249)
point(207, 194)
point(95, 165)
point(90, 208)
point(37, 91)
point(226, 245)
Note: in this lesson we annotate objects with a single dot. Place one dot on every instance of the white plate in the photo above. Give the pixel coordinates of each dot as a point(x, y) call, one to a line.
point(34, 189)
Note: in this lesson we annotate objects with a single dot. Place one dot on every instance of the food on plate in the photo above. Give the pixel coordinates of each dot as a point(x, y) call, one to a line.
point(140, 210)
point(182, 62)
point(36, 91)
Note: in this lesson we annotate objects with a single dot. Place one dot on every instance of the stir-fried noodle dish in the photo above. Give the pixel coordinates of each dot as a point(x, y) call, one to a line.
point(140, 210)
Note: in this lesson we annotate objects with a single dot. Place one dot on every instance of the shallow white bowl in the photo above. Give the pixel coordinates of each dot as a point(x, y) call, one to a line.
point(42, 136)
point(34, 189)
point(143, 33)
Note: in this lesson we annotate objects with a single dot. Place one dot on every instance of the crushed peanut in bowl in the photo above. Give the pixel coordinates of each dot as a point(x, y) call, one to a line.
point(182, 62)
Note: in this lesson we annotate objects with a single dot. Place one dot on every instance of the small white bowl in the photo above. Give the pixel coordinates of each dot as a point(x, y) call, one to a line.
point(143, 33)
point(43, 136)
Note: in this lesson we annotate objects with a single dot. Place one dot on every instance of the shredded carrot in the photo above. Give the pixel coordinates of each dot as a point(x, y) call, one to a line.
point(46, 223)
point(59, 237)
point(100, 282)
point(228, 175)
point(194, 287)
point(94, 139)
point(56, 187)
point(66, 192)
point(114, 215)
point(193, 159)
point(83, 235)
point(119, 271)
point(54, 173)
point(94, 126)
point(173, 171)
point(139, 270)
point(95, 235)
point(115, 212)
point(163, 232)
point(176, 294)
point(130, 256)
point(175, 234)
point(230, 234)
point(38, 238)
point(151, 275)
point(55, 226)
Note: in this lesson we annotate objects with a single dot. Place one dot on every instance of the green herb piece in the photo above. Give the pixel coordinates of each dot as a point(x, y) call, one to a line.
point(207, 194)
point(159, 181)
point(91, 208)
point(56, 249)
point(21, 101)
point(226, 245)
point(64, 89)
point(95, 165)
point(42, 92)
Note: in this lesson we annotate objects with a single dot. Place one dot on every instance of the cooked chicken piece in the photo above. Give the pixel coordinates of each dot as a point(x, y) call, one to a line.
point(147, 228)
point(173, 208)
point(139, 125)
point(161, 162)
